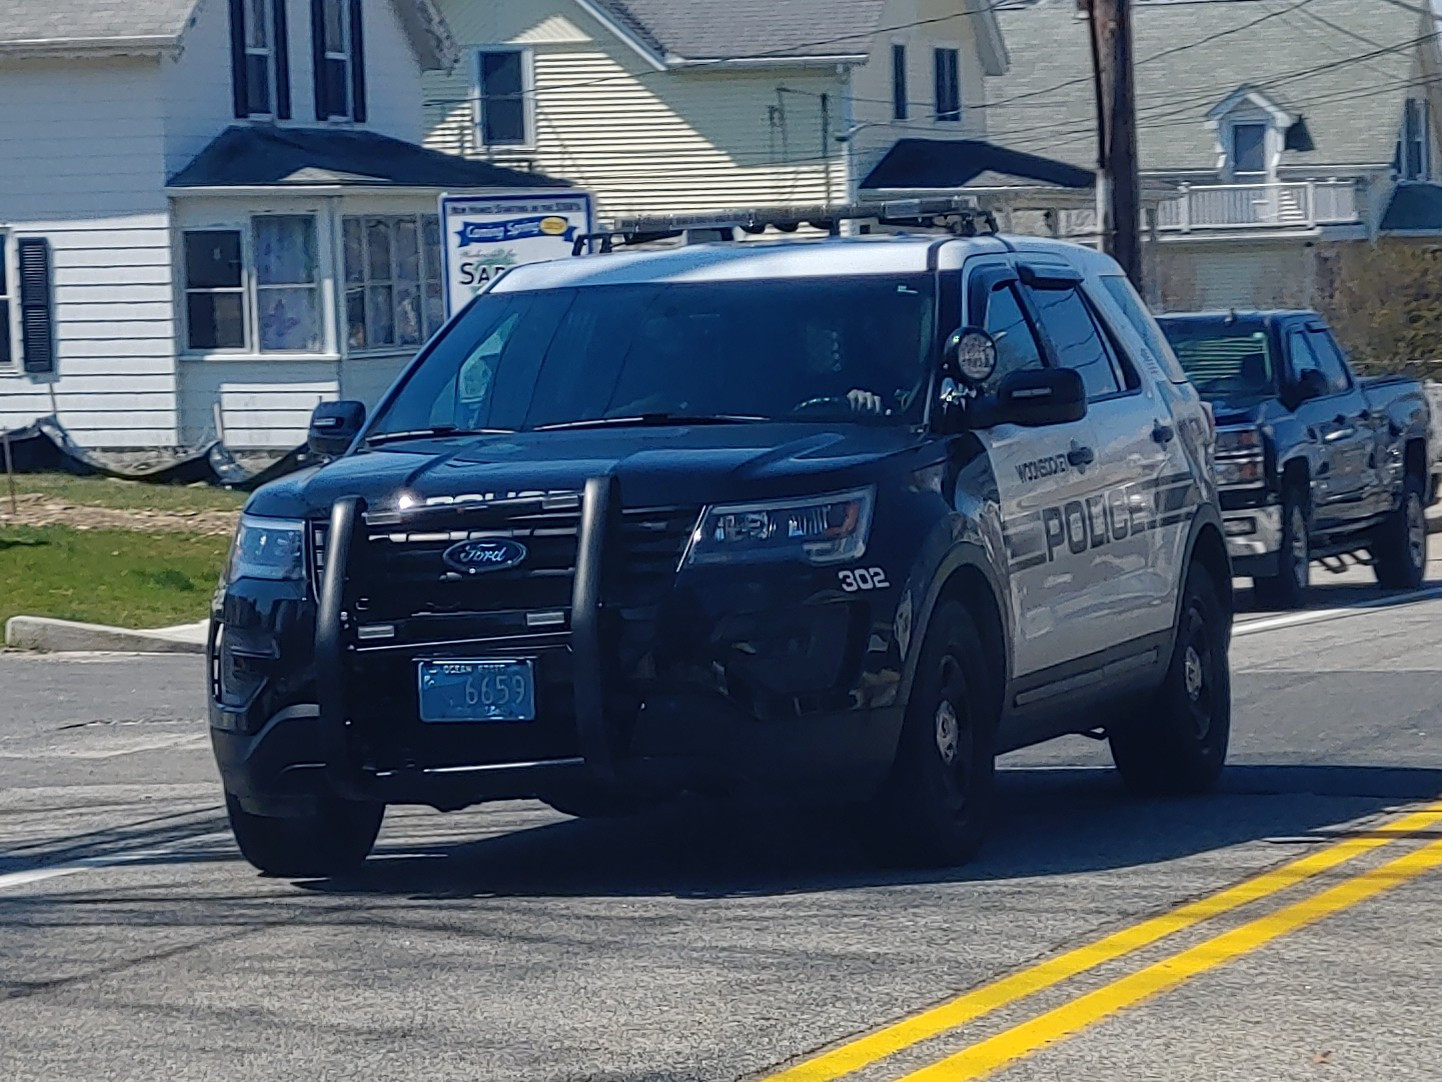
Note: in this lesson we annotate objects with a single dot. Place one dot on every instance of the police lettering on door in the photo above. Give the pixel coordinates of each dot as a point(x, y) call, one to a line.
point(1073, 527)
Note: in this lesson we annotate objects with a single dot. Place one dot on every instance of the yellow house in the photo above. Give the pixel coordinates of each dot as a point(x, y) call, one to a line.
point(662, 107)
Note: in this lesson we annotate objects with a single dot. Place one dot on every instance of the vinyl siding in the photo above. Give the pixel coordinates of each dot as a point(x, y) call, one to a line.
point(644, 141)
point(97, 194)
point(1236, 274)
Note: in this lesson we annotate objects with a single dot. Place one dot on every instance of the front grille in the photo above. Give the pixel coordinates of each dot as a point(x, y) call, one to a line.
point(397, 580)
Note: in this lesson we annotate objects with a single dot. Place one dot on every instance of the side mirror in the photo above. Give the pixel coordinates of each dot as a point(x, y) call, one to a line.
point(334, 427)
point(1037, 397)
point(1309, 385)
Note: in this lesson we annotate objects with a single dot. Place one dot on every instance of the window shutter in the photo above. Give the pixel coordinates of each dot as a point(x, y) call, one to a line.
point(357, 64)
point(239, 94)
point(317, 48)
point(37, 317)
point(281, 47)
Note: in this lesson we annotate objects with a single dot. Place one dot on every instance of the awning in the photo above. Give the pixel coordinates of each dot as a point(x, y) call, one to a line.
point(933, 164)
point(1415, 208)
point(245, 157)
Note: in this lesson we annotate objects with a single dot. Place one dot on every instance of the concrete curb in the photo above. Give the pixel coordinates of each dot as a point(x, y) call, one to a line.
point(65, 636)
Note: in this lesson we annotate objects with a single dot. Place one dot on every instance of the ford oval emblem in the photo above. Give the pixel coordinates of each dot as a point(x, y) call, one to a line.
point(487, 554)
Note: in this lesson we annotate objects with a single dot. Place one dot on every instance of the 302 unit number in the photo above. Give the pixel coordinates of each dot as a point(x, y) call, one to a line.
point(863, 578)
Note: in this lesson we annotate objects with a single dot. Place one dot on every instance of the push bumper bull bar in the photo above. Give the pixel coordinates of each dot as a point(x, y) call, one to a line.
point(345, 775)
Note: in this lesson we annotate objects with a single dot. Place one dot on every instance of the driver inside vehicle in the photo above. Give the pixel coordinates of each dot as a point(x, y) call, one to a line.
point(856, 364)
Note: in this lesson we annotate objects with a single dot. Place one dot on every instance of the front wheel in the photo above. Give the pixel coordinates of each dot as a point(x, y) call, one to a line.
point(937, 804)
point(334, 839)
point(1179, 745)
point(1399, 554)
point(1287, 589)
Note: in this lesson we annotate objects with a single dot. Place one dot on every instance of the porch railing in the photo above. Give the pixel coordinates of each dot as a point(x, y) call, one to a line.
point(1299, 205)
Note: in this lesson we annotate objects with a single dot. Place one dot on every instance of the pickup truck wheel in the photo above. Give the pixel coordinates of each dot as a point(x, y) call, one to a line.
point(1179, 745)
point(1288, 588)
point(937, 803)
point(333, 840)
point(1399, 554)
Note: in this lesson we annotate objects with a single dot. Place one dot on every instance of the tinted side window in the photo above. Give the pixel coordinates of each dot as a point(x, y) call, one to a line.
point(1121, 290)
point(1300, 357)
point(1016, 345)
point(1329, 359)
point(1078, 341)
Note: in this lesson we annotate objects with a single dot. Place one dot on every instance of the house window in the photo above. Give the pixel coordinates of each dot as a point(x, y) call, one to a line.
point(948, 85)
point(503, 79)
point(7, 357)
point(900, 109)
point(259, 57)
point(1249, 151)
point(257, 286)
point(339, 60)
point(393, 280)
point(1416, 155)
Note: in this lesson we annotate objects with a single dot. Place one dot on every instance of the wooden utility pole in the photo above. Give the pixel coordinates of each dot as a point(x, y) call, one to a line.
point(1119, 185)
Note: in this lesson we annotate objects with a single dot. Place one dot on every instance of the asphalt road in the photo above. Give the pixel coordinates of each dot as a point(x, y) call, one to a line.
point(510, 943)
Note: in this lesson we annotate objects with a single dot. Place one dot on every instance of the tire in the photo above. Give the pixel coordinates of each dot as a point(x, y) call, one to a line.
point(1399, 553)
point(1288, 588)
point(334, 840)
point(937, 804)
point(1179, 745)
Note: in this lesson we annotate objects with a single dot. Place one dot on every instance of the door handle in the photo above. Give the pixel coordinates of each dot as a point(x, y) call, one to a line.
point(1080, 456)
point(1163, 433)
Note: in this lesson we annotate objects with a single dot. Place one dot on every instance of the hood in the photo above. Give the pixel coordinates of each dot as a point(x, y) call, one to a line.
point(671, 466)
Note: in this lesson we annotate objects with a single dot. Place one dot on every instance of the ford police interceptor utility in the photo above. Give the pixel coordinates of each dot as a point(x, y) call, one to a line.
point(846, 517)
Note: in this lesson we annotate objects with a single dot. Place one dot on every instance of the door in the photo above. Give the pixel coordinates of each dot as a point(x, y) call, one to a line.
point(1136, 497)
point(1044, 477)
point(1333, 424)
point(1355, 430)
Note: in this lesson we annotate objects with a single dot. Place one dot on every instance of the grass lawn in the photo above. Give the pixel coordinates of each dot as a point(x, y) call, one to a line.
point(124, 495)
point(121, 577)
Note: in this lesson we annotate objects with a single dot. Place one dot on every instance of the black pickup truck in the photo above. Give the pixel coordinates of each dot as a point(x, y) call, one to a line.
point(1312, 460)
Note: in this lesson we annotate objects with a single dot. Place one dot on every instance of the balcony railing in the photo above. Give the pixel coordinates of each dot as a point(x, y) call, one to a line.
point(1302, 205)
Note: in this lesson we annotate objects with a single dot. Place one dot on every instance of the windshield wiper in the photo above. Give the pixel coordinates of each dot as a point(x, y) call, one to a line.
point(656, 420)
point(436, 430)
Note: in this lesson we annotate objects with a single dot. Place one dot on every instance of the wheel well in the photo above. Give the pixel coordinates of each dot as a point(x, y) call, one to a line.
point(1211, 552)
point(969, 586)
point(1296, 475)
point(1416, 460)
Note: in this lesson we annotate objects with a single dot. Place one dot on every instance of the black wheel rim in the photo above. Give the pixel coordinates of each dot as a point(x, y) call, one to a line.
point(1198, 672)
point(954, 737)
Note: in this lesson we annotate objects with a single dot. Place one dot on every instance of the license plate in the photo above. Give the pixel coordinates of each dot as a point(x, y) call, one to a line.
point(464, 690)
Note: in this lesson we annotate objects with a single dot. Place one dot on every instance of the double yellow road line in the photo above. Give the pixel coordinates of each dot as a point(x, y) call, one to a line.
point(987, 1056)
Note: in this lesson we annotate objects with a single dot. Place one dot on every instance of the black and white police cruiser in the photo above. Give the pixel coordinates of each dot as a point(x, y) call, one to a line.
point(841, 518)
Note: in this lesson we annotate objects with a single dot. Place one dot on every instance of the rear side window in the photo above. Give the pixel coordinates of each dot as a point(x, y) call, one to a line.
point(1121, 290)
point(1078, 340)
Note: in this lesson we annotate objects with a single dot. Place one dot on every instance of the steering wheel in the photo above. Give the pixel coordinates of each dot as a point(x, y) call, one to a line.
point(838, 401)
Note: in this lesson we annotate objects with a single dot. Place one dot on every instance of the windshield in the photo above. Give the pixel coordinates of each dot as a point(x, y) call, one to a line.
point(1225, 362)
point(790, 349)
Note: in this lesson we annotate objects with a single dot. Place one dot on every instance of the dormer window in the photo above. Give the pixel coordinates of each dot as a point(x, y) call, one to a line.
point(260, 70)
point(1414, 156)
point(1252, 132)
point(339, 56)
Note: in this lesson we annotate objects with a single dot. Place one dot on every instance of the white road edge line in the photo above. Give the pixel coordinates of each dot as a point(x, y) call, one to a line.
point(11, 880)
point(1317, 616)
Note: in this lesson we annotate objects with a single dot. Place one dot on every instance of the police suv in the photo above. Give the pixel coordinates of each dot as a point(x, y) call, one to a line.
point(846, 517)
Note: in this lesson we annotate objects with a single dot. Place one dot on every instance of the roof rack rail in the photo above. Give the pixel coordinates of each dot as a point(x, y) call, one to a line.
point(956, 215)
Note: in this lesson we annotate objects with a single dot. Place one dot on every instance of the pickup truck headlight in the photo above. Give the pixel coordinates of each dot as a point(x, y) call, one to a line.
point(820, 530)
point(1241, 457)
point(267, 548)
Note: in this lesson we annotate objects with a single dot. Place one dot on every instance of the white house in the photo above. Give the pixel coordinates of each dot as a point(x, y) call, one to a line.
point(215, 214)
point(660, 107)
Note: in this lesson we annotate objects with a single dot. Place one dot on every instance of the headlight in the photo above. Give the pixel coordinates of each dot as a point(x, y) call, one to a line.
point(267, 548)
point(1239, 441)
point(822, 530)
point(1239, 472)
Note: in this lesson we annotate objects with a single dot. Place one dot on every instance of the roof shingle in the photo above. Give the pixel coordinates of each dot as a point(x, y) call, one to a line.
point(749, 29)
